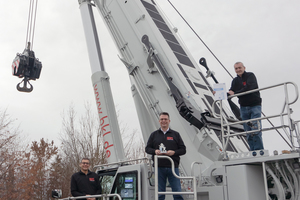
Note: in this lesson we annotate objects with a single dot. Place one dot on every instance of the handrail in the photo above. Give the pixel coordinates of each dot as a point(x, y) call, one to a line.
point(269, 87)
point(120, 162)
point(192, 170)
point(156, 157)
point(287, 103)
point(256, 90)
point(192, 167)
point(106, 196)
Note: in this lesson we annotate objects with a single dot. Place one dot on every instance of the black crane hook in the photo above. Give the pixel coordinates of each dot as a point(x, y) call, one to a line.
point(28, 66)
point(25, 87)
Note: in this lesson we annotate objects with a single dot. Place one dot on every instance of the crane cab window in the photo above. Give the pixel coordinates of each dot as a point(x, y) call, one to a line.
point(126, 185)
point(106, 179)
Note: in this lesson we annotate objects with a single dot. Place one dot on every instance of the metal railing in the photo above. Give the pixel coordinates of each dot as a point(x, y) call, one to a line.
point(106, 197)
point(157, 193)
point(291, 124)
point(120, 163)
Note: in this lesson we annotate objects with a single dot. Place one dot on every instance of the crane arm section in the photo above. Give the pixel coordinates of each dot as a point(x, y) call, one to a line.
point(110, 130)
point(162, 70)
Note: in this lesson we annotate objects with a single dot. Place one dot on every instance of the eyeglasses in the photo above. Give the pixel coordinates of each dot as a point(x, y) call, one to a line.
point(85, 163)
point(162, 119)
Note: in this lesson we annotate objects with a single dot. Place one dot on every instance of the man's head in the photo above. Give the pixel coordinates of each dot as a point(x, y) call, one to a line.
point(85, 164)
point(164, 120)
point(239, 68)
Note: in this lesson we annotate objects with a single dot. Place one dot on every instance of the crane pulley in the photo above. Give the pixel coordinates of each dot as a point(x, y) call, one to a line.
point(26, 65)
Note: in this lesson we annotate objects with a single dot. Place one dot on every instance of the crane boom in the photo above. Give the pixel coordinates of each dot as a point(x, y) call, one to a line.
point(113, 145)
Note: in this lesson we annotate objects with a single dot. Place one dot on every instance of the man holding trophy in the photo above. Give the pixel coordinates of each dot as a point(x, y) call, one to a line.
point(166, 141)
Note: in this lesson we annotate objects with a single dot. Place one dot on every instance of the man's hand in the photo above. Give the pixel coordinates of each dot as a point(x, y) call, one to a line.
point(170, 153)
point(157, 152)
point(231, 92)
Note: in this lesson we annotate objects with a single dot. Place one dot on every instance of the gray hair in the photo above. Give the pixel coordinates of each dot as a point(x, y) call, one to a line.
point(239, 63)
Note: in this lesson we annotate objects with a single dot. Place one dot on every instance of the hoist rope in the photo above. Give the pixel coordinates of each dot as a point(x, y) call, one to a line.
point(31, 23)
point(200, 39)
point(219, 62)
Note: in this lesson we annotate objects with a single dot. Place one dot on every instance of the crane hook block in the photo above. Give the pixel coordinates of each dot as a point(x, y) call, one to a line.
point(26, 66)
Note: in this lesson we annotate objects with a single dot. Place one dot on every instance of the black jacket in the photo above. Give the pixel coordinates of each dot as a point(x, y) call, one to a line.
point(245, 83)
point(171, 140)
point(82, 184)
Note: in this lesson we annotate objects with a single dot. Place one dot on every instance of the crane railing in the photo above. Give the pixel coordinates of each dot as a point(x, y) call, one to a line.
point(286, 111)
point(157, 193)
point(120, 163)
point(104, 196)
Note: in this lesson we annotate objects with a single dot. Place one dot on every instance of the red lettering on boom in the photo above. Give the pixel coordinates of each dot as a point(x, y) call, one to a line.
point(106, 133)
point(108, 153)
point(102, 122)
point(97, 99)
point(106, 146)
point(103, 127)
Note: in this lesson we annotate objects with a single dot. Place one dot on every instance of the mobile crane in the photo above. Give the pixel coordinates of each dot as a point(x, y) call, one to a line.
point(165, 77)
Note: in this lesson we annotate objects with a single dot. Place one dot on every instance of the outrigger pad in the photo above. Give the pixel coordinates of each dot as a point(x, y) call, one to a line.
point(26, 65)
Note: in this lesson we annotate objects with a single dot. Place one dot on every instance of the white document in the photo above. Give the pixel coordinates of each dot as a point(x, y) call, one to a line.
point(220, 89)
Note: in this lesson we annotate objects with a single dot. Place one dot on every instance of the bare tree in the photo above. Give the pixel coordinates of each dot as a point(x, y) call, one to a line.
point(10, 145)
point(134, 146)
point(81, 136)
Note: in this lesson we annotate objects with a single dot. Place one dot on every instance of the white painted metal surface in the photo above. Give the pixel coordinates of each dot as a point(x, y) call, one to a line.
point(159, 67)
point(106, 109)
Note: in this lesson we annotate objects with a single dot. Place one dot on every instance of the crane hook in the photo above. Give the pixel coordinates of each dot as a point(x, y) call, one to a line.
point(25, 87)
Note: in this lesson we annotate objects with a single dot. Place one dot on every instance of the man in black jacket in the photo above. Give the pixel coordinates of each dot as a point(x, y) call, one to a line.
point(174, 147)
point(85, 182)
point(250, 103)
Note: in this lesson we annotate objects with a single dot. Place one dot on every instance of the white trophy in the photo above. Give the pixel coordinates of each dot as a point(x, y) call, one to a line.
point(162, 148)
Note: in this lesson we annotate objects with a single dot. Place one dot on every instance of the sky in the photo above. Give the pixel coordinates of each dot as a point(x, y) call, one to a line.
point(264, 35)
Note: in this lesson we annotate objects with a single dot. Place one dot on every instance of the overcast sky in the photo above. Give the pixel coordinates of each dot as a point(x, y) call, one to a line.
point(262, 34)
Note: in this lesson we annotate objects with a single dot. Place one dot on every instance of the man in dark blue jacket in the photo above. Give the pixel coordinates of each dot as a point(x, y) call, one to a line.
point(250, 103)
point(174, 146)
point(85, 182)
